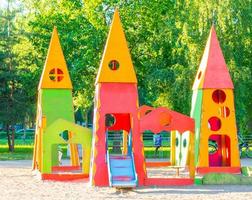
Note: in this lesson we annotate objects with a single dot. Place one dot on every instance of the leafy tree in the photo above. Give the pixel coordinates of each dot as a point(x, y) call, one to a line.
point(166, 40)
point(12, 94)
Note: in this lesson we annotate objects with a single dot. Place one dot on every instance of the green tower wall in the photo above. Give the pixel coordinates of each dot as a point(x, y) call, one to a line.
point(196, 114)
point(56, 104)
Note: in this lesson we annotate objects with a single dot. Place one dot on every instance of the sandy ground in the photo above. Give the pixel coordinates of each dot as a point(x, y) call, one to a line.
point(18, 182)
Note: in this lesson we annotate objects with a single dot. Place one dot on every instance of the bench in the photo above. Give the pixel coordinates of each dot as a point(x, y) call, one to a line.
point(177, 168)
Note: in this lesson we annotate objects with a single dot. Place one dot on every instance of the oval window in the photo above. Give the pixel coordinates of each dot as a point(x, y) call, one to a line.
point(184, 143)
point(199, 75)
point(177, 142)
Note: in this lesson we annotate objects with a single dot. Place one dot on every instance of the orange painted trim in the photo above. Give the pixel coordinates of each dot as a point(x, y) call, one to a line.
point(65, 168)
point(168, 181)
point(158, 164)
point(64, 177)
point(229, 170)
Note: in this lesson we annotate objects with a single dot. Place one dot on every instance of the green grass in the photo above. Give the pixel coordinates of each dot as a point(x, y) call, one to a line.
point(226, 179)
point(21, 152)
point(18, 142)
point(24, 150)
point(246, 171)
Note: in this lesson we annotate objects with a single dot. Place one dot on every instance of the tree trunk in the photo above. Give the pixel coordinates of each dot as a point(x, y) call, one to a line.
point(12, 138)
point(86, 117)
point(8, 137)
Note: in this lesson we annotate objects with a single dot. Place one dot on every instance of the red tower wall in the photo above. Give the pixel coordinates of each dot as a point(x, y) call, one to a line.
point(115, 98)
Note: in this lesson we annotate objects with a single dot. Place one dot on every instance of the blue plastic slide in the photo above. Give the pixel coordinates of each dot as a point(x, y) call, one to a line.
point(121, 169)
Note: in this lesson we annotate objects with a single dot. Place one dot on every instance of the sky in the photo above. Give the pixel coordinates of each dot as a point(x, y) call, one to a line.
point(3, 3)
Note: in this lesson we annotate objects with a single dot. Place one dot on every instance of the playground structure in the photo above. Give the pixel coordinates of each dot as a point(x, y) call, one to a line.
point(117, 111)
point(214, 113)
point(55, 119)
point(116, 98)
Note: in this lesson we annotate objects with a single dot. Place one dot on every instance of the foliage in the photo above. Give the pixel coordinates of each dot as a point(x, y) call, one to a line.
point(166, 40)
point(15, 103)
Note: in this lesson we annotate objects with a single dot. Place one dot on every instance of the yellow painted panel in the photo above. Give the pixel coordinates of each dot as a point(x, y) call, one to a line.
point(228, 126)
point(125, 142)
point(74, 156)
point(116, 49)
point(191, 155)
point(55, 73)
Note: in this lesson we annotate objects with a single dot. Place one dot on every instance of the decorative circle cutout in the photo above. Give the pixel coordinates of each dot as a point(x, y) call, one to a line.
point(56, 75)
point(177, 142)
point(184, 143)
point(64, 135)
point(219, 96)
point(214, 124)
point(199, 74)
point(164, 119)
point(114, 65)
point(110, 120)
point(224, 111)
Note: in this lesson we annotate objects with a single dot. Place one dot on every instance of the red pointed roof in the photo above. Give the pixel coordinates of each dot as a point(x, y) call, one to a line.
point(213, 71)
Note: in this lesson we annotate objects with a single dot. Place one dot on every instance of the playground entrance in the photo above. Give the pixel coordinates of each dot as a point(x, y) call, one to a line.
point(219, 150)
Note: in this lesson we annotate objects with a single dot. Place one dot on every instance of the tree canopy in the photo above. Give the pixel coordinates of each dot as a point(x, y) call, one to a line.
point(166, 40)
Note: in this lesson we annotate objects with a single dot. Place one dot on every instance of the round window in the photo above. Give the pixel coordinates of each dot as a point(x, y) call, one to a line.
point(219, 96)
point(114, 65)
point(214, 123)
point(56, 75)
point(109, 120)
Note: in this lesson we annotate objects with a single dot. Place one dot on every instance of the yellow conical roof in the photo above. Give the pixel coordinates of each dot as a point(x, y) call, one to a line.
point(116, 65)
point(55, 73)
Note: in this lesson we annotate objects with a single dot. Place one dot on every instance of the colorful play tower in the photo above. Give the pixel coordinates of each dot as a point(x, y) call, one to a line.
point(116, 95)
point(55, 117)
point(116, 110)
point(216, 143)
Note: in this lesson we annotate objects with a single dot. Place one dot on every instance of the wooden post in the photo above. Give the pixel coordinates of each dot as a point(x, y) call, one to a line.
point(173, 148)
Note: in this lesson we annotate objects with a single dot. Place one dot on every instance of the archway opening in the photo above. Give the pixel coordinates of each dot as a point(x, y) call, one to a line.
point(219, 150)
